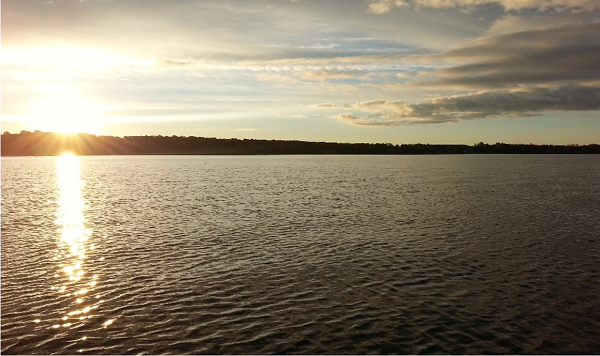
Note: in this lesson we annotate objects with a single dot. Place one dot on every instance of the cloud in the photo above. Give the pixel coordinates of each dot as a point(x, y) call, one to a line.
point(520, 23)
point(172, 63)
point(322, 75)
point(480, 105)
point(357, 120)
point(384, 6)
point(399, 61)
point(279, 78)
point(566, 55)
point(324, 106)
point(299, 116)
point(225, 58)
point(294, 80)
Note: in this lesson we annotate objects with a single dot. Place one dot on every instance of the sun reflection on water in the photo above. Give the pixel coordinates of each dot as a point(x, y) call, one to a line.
point(74, 244)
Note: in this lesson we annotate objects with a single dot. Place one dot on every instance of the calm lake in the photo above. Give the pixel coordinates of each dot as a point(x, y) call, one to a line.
point(301, 254)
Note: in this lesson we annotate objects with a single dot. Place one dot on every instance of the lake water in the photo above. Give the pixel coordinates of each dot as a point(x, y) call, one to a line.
point(301, 254)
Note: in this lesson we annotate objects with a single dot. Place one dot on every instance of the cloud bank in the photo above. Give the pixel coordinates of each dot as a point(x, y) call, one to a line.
point(384, 6)
point(515, 75)
point(480, 105)
point(551, 56)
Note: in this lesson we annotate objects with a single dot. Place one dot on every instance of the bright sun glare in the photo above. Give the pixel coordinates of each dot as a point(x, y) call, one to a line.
point(66, 114)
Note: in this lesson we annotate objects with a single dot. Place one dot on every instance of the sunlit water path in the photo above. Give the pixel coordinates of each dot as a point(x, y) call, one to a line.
point(301, 254)
point(68, 297)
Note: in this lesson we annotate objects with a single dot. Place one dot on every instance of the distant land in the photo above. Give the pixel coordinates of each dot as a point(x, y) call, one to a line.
point(40, 143)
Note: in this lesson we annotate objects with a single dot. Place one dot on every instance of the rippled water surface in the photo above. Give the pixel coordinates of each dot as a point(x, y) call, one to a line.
point(301, 254)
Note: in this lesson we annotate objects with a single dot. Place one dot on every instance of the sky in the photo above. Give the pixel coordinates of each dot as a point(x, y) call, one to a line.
point(389, 71)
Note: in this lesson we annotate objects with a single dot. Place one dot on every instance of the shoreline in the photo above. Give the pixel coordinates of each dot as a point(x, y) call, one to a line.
point(52, 144)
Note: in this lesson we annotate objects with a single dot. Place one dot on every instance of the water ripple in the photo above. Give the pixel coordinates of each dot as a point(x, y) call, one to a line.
point(308, 255)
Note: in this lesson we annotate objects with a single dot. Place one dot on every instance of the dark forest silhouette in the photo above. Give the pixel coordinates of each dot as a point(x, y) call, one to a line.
point(51, 144)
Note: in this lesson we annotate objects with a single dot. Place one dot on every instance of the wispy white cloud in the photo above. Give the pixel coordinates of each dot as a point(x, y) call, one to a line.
point(279, 78)
point(384, 6)
point(518, 23)
point(324, 106)
point(322, 75)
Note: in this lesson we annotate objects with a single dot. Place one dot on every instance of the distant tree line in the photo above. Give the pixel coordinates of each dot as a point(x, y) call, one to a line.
point(40, 143)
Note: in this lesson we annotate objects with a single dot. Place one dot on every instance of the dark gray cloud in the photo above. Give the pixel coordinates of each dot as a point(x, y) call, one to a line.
point(385, 6)
point(480, 105)
point(550, 56)
point(514, 75)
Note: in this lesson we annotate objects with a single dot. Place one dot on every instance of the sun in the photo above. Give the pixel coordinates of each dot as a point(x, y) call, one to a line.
point(66, 115)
